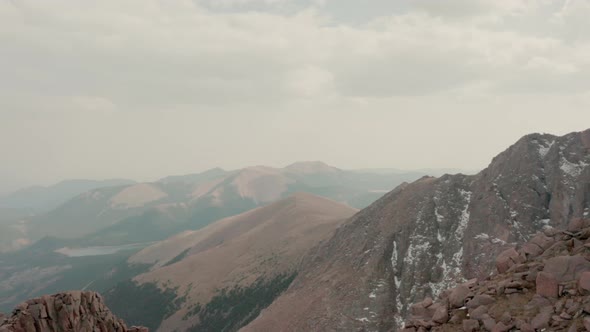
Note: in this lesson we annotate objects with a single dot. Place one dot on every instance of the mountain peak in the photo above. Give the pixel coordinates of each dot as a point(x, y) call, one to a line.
point(307, 167)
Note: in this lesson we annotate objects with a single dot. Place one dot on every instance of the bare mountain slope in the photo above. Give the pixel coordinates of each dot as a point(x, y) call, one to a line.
point(256, 252)
point(424, 237)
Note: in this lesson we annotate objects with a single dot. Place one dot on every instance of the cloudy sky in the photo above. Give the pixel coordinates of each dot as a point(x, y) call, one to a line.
point(147, 88)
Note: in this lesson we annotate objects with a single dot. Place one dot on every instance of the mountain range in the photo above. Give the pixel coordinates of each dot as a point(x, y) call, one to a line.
point(39, 198)
point(267, 253)
point(82, 241)
point(414, 242)
point(143, 212)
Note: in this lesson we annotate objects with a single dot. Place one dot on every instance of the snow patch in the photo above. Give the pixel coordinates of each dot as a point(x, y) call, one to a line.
point(544, 149)
point(482, 236)
point(439, 217)
point(399, 321)
point(397, 282)
point(417, 250)
point(487, 237)
point(571, 169)
point(379, 285)
point(394, 255)
point(363, 320)
point(498, 241)
point(464, 218)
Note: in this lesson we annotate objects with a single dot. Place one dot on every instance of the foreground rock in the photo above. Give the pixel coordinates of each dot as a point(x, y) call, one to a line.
point(542, 290)
point(72, 311)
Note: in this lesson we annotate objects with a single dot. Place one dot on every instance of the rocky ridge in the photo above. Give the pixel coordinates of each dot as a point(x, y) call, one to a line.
point(543, 285)
point(71, 311)
point(427, 236)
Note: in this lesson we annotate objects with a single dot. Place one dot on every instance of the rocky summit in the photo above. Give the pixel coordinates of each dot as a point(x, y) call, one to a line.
point(543, 285)
point(72, 311)
point(432, 234)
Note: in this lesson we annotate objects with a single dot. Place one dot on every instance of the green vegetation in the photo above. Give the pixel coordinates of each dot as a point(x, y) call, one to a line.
point(232, 309)
point(146, 304)
point(193, 310)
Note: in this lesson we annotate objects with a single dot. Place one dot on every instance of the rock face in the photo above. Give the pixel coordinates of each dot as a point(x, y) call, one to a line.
point(547, 290)
point(430, 235)
point(72, 311)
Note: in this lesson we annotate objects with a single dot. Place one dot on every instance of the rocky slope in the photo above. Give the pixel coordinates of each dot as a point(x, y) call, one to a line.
point(71, 311)
point(426, 236)
point(542, 285)
point(218, 278)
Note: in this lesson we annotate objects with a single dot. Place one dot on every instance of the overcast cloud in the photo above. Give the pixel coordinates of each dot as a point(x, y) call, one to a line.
point(147, 88)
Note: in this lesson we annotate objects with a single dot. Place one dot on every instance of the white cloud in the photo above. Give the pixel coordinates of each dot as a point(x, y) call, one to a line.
point(272, 57)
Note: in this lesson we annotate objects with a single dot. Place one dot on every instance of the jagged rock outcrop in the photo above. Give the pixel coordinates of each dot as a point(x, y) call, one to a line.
point(545, 288)
point(72, 311)
point(429, 235)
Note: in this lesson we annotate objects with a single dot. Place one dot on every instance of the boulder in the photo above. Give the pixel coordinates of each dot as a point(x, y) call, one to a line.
point(489, 323)
point(506, 259)
point(567, 268)
point(422, 310)
point(547, 285)
point(501, 327)
point(441, 315)
point(577, 224)
point(470, 325)
point(458, 296)
point(479, 300)
point(531, 250)
point(479, 312)
point(541, 320)
point(542, 241)
point(584, 283)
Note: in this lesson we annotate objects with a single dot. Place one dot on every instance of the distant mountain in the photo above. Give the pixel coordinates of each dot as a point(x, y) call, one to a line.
point(196, 178)
point(429, 235)
point(46, 198)
point(119, 220)
point(144, 212)
point(218, 278)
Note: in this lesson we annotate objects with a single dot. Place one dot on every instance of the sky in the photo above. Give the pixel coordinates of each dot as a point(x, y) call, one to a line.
point(141, 89)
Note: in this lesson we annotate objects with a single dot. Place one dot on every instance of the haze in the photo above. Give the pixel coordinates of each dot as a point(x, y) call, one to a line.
point(142, 89)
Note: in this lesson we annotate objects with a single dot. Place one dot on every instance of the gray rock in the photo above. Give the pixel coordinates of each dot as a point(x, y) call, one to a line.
point(479, 300)
point(458, 296)
point(567, 268)
point(470, 325)
point(542, 319)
